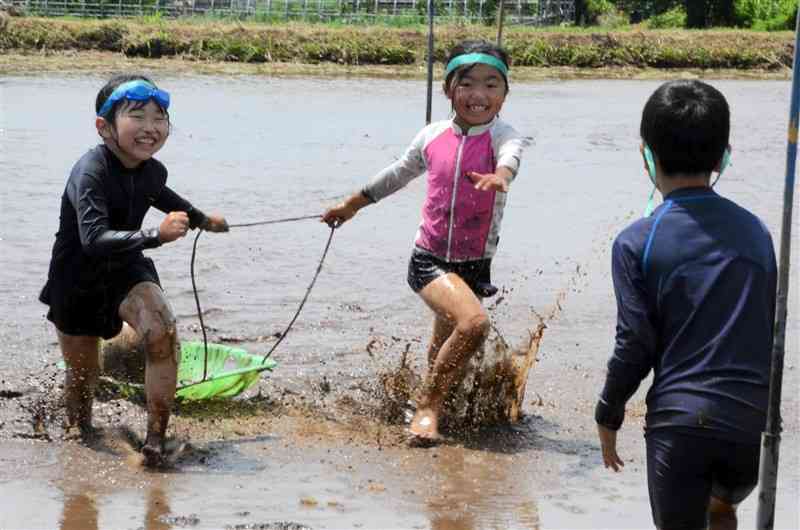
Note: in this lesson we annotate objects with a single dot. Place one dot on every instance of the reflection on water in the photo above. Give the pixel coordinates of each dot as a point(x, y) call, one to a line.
point(479, 489)
point(92, 479)
point(80, 513)
point(157, 509)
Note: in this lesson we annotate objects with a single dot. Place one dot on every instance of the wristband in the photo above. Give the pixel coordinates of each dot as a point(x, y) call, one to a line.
point(152, 237)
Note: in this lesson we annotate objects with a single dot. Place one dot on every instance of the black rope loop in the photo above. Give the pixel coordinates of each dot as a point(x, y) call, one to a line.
point(299, 309)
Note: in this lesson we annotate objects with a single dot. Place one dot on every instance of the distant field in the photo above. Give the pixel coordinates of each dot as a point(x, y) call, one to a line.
point(335, 44)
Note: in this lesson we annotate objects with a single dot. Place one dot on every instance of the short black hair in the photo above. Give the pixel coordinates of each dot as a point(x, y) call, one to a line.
point(112, 85)
point(687, 126)
point(474, 46)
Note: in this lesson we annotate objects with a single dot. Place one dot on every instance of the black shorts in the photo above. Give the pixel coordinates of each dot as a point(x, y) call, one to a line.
point(423, 268)
point(684, 471)
point(93, 310)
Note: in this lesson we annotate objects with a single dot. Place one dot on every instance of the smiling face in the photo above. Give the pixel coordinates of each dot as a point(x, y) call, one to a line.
point(477, 95)
point(138, 133)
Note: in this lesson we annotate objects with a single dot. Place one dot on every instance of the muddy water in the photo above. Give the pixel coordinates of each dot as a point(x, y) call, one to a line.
point(309, 451)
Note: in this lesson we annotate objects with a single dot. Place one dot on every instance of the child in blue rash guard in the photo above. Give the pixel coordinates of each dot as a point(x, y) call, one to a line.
point(695, 285)
point(98, 275)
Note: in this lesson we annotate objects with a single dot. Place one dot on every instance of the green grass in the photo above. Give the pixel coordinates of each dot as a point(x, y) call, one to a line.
point(205, 38)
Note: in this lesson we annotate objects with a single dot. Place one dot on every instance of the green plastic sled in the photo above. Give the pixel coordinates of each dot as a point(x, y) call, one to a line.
point(231, 371)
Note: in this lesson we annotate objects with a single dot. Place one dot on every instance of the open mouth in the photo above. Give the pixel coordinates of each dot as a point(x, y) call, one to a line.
point(145, 141)
point(477, 108)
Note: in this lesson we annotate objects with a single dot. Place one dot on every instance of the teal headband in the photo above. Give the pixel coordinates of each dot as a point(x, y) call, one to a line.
point(473, 58)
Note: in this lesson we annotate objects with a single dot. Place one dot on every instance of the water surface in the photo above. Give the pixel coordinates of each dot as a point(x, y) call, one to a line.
point(258, 148)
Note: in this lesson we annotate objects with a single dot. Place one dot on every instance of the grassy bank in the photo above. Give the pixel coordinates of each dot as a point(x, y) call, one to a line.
point(374, 45)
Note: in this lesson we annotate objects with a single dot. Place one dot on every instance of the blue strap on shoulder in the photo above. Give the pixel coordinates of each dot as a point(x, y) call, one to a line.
point(666, 206)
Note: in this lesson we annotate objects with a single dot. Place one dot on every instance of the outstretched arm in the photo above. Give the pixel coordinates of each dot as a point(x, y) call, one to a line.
point(507, 145)
point(387, 181)
point(497, 181)
point(345, 211)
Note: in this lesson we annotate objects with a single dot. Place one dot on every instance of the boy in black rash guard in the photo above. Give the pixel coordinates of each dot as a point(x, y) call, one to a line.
point(695, 286)
point(98, 275)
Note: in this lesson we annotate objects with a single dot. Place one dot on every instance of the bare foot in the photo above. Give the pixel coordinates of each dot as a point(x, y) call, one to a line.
point(153, 451)
point(90, 435)
point(424, 428)
point(82, 430)
point(79, 413)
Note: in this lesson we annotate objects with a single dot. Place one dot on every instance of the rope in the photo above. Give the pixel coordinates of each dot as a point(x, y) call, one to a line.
point(297, 313)
point(276, 221)
point(197, 303)
point(308, 292)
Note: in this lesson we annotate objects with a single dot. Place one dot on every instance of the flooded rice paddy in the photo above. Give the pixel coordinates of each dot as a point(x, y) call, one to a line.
point(317, 444)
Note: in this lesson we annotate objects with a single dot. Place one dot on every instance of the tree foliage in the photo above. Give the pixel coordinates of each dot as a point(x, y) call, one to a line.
point(759, 14)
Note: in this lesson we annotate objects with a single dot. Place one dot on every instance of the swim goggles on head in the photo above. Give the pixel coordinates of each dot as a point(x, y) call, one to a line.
point(137, 90)
point(473, 58)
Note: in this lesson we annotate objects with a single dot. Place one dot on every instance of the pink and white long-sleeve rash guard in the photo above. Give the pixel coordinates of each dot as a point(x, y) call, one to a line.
point(459, 223)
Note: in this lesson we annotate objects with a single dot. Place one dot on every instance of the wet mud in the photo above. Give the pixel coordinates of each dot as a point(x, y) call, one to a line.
point(372, 410)
point(319, 415)
point(320, 442)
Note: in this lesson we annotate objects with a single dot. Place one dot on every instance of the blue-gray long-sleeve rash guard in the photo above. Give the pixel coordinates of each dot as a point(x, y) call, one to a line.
point(695, 286)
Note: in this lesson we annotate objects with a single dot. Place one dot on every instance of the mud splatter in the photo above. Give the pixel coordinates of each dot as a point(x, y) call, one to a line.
point(181, 521)
point(282, 525)
point(397, 388)
point(41, 406)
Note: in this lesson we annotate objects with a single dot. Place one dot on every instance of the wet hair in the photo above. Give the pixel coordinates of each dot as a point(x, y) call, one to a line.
point(112, 85)
point(473, 46)
point(687, 126)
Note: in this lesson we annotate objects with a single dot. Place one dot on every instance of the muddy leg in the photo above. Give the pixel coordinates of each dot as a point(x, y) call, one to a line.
point(722, 516)
point(451, 299)
point(81, 357)
point(148, 312)
point(123, 357)
point(442, 329)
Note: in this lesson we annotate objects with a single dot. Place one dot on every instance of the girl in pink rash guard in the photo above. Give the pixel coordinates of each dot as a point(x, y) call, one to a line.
point(470, 161)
